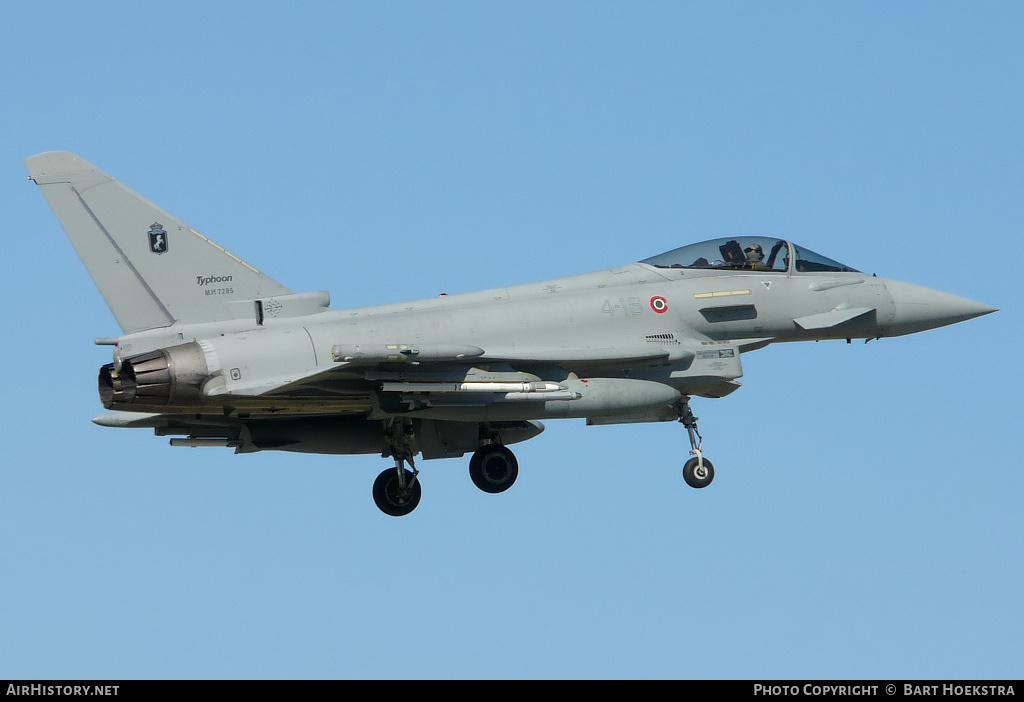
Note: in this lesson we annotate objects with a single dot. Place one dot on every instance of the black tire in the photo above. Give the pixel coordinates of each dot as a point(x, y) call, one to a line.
point(493, 468)
point(390, 499)
point(691, 473)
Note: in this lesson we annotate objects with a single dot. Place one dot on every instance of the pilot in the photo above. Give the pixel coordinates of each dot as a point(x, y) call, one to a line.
point(755, 258)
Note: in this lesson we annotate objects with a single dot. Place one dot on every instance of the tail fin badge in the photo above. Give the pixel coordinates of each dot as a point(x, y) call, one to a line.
point(157, 238)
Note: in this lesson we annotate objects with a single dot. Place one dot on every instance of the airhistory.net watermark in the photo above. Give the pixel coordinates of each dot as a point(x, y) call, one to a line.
point(62, 690)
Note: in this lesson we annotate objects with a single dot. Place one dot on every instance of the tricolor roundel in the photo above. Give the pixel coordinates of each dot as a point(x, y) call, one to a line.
point(659, 304)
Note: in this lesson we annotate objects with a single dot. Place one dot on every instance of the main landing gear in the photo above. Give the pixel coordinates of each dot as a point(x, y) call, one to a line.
point(493, 468)
point(397, 491)
point(698, 471)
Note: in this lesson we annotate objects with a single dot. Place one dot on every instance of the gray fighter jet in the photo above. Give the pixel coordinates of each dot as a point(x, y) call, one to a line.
point(215, 353)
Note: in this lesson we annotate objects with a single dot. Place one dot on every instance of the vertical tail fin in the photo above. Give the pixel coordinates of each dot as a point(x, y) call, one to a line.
point(151, 268)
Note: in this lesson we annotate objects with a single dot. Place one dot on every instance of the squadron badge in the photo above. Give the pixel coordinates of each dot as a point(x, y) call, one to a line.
point(157, 238)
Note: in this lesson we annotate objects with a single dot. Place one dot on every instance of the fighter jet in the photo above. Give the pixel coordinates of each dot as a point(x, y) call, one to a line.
point(215, 353)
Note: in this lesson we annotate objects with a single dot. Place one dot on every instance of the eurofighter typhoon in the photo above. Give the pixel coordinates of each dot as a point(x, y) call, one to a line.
point(215, 353)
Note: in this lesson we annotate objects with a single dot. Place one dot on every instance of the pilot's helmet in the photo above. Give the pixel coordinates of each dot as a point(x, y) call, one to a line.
point(754, 252)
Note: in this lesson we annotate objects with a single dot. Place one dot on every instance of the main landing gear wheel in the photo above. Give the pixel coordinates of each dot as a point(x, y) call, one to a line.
point(397, 490)
point(697, 475)
point(397, 494)
point(493, 468)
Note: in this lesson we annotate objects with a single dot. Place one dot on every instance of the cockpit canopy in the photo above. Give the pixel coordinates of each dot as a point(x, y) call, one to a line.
point(747, 253)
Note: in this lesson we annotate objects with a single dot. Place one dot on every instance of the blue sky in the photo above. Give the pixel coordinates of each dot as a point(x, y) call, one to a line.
point(865, 518)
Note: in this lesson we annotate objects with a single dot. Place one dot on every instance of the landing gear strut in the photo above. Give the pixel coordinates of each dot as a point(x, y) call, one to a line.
point(698, 471)
point(397, 490)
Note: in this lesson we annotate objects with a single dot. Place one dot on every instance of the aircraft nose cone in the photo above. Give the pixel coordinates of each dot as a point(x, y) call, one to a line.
point(919, 308)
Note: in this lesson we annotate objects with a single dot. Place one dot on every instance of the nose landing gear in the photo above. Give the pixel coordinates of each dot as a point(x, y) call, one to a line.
point(698, 471)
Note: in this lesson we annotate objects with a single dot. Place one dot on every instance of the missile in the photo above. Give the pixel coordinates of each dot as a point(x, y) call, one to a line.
point(593, 397)
point(479, 386)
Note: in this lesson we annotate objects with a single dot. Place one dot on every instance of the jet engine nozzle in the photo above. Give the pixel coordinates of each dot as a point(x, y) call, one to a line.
point(166, 377)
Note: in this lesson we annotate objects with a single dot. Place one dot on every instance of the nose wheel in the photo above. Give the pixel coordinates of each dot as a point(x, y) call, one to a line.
point(698, 471)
